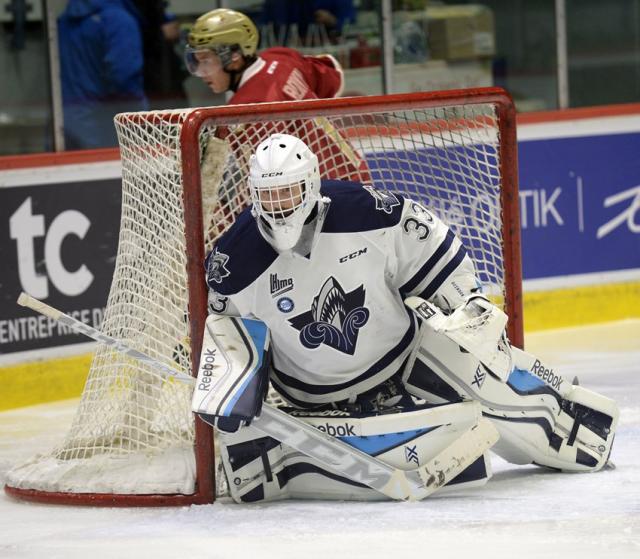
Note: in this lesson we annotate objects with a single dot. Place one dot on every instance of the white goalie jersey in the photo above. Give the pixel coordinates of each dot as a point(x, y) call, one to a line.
point(337, 319)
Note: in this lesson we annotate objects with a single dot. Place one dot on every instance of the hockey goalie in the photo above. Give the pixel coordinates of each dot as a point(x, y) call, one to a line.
point(364, 312)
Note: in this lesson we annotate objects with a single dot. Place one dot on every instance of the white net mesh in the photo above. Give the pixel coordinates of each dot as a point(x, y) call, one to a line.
point(130, 420)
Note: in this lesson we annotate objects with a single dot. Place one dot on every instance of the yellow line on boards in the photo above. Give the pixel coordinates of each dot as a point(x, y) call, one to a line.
point(37, 382)
point(576, 306)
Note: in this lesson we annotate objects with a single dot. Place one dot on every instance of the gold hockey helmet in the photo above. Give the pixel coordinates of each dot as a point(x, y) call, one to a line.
point(224, 28)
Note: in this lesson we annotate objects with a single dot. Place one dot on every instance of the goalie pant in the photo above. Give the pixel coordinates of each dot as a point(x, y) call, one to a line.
point(542, 418)
point(259, 468)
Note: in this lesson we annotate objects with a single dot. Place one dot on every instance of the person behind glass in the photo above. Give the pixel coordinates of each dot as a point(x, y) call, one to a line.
point(222, 51)
point(101, 69)
point(163, 72)
point(333, 15)
point(312, 21)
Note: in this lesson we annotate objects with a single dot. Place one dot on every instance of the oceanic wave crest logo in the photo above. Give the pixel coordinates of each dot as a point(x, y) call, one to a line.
point(334, 319)
point(385, 201)
point(217, 269)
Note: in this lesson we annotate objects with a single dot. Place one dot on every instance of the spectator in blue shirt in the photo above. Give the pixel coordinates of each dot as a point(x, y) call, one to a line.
point(101, 68)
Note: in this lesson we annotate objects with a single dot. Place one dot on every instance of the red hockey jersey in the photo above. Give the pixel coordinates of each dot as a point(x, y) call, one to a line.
point(283, 74)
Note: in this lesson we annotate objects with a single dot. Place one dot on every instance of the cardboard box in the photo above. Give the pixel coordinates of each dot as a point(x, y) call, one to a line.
point(460, 32)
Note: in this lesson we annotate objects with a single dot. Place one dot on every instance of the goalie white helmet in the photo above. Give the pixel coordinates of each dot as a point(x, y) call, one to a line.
point(284, 181)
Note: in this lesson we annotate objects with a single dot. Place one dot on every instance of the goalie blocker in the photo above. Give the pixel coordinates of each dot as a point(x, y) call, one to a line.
point(233, 377)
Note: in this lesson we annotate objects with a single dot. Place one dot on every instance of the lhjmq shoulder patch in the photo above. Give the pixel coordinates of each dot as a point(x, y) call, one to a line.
point(217, 269)
point(385, 201)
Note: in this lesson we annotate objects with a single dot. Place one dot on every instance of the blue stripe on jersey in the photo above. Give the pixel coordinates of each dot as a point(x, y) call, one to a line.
point(422, 273)
point(354, 209)
point(428, 291)
point(378, 366)
point(249, 255)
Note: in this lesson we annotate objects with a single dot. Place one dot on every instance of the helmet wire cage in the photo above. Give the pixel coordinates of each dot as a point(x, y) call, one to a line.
point(279, 203)
point(284, 183)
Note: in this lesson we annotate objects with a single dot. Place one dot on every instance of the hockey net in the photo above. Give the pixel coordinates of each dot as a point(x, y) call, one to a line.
point(134, 440)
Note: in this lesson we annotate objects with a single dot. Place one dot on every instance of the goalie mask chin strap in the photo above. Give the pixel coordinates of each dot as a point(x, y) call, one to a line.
point(312, 227)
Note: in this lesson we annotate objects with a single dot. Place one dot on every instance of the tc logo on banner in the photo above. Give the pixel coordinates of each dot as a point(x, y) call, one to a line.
point(24, 227)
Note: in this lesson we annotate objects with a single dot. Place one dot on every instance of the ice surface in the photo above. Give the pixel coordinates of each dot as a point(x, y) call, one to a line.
point(522, 512)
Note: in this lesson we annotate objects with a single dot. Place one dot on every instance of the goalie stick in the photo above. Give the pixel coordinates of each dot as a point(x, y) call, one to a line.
point(336, 455)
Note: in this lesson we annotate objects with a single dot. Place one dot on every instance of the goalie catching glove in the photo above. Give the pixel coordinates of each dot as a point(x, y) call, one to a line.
point(542, 418)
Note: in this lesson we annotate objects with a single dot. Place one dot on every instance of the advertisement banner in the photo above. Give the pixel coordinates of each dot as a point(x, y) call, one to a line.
point(580, 205)
point(58, 243)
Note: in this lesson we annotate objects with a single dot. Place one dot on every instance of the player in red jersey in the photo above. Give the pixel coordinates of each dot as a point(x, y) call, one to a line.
point(222, 52)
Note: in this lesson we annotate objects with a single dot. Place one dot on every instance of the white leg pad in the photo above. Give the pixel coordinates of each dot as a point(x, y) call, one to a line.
point(260, 469)
point(541, 417)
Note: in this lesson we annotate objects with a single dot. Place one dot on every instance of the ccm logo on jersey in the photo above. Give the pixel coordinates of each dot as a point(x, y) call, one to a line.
point(547, 375)
point(352, 255)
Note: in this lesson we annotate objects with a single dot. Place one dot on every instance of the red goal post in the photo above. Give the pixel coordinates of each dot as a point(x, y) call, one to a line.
point(134, 441)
